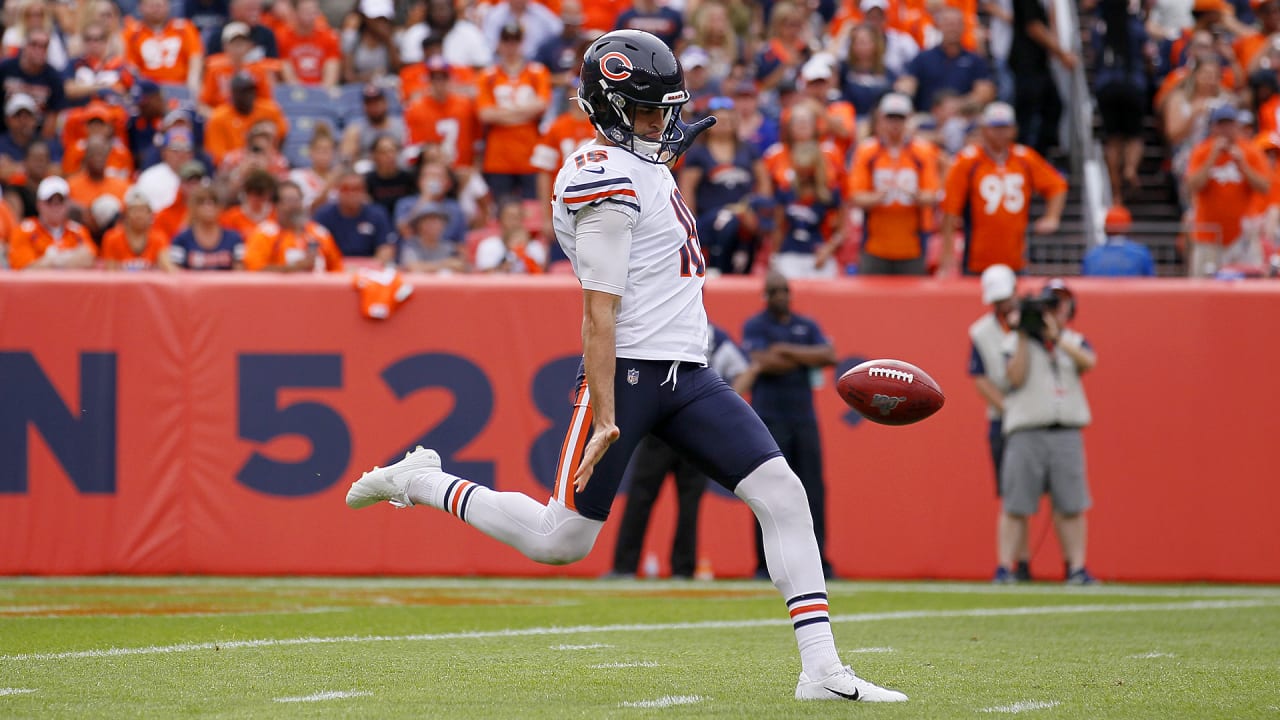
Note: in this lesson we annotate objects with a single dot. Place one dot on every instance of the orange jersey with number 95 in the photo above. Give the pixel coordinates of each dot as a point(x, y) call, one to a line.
point(994, 199)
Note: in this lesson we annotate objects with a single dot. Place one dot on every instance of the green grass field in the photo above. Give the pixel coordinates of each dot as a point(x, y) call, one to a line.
point(461, 648)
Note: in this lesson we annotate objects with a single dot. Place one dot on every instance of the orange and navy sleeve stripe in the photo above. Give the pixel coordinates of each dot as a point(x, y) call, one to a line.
point(618, 190)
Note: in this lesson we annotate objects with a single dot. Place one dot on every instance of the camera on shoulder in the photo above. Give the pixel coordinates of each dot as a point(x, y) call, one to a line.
point(1031, 310)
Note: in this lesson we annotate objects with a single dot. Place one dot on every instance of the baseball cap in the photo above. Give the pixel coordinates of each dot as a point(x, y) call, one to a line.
point(243, 81)
point(426, 209)
point(96, 111)
point(51, 186)
point(192, 169)
point(694, 57)
point(1223, 113)
point(372, 92)
point(895, 104)
point(998, 114)
point(18, 103)
point(378, 9)
point(135, 196)
point(1056, 288)
point(866, 5)
point(1118, 219)
point(178, 140)
point(174, 117)
point(234, 30)
point(815, 69)
point(436, 64)
point(998, 283)
point(511, 31)
point(720, 102)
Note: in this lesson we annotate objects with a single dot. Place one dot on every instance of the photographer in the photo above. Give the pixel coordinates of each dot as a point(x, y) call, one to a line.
point(1044, 413)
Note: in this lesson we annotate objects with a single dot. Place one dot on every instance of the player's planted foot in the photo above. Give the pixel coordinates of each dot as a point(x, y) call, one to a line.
point(844, 685)
point(391, 483)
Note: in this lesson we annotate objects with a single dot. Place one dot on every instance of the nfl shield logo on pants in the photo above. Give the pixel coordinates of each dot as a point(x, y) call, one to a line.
point(633, 376)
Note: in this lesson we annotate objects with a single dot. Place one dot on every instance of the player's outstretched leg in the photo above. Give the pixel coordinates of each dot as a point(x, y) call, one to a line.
point(550, 533)
point(778, 499)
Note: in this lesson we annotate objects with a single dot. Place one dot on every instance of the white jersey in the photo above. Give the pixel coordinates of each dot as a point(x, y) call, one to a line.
point(661, 316)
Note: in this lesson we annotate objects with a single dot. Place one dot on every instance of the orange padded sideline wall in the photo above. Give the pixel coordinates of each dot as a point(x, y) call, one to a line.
point(189, 424)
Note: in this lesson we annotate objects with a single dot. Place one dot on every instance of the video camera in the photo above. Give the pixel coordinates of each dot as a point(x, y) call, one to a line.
point(1031, 310)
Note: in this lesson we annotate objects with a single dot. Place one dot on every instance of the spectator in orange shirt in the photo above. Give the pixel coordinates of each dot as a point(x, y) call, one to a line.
point(415, 78)
point(989, 188)
point(895, 183)
point(163, 49)
point(174, 219)
point(92, 180)
point(443, 117)
point(233, 59)
point(261, 152)
point(134, 244)
point(257, 204)
point(228, 127)
point(567, 133)
point(309, 48)
point(98, 124)
point(1223, 174)
point(295, 244)
point(512, 98)
point(52, 239)
point(838, 123)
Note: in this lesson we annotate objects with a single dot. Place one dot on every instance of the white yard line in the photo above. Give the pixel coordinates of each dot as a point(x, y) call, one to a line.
point(1022, 706)
point(321, 696)
point(592, 646)
point(621, 665)
point(1151, 655)
point(647, 628)
point(17, 612)
point(664, 701)
point(14, 691)
point(869, 650)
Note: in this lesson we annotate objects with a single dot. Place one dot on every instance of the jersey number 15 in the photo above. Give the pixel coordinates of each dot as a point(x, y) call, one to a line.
point(692, 264)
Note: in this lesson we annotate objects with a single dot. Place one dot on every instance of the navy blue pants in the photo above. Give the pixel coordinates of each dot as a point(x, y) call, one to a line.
point(697, 414)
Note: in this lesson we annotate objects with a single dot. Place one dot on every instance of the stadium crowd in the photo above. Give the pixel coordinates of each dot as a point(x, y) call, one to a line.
point(222, 134)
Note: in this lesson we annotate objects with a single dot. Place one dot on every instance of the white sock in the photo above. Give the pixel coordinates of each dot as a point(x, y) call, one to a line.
point(550, 533)
point(778, 499)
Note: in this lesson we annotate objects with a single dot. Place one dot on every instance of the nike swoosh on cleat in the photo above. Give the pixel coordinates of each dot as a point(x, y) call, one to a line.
point(846, 696)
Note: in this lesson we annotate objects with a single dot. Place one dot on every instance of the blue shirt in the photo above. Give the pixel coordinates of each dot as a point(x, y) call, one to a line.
point(666, 23)
point(1118, 257)
point(361, 235)
point(803, 223)
point(187, 253)
point(722, 183)
point(864, 90)
point(788, 396)
point(934, 71)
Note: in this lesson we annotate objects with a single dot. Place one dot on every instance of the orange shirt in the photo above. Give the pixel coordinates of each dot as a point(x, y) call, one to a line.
point(76, 120)
point(32, 239)
point(451, 123)
point(1177, 75)
point(228, 130)
point(509, 147)
point(895, 229)
point(415, 80)
point(566, 134)
point(777, 161)
point(218, 71)
point(1225, 198)
point(119, 159)
point(307, 54)
point(838, 114)
point(84, 189)
point(8, 223)
point(993, 198)
point(271, 244)
point(173, 219)
point(115, 247)
point(234, 218)
point(164, 55)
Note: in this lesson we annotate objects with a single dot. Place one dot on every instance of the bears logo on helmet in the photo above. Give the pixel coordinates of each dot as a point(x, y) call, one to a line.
point(623, 63)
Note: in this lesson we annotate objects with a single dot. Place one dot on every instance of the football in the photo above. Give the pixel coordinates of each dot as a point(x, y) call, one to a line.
point(890, 392)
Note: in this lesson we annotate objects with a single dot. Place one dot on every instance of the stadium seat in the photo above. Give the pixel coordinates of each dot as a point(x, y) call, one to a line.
point(303, 125)
point(297, 153)
point(174, 92)
point(293, 95)
point(351, 100)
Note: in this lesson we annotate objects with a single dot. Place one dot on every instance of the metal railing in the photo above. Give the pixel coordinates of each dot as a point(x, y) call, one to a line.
point(1085, 150)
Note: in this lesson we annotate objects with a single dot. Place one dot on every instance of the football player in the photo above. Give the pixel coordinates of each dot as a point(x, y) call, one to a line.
point(633, 244)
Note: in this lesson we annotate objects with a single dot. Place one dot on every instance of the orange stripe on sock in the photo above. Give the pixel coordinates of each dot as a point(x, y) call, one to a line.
point(815, 607)
point(457, 496)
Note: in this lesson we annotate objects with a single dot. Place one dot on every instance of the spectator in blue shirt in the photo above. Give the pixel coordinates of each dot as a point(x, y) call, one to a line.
point(948, 65)
point(787, 352)
point(359, 227)
point(1118, 256)
point(30, 73)
point(651, 17)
